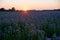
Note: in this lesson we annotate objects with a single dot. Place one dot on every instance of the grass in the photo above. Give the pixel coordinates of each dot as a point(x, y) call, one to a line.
point(33, 28)
point(12, 31)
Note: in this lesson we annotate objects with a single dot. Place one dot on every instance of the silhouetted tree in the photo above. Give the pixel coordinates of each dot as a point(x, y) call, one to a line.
point(13, 9)
point(9, 9)
point(2, 9)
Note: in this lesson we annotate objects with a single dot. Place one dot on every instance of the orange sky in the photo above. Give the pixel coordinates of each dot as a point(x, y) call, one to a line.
point(30, 4)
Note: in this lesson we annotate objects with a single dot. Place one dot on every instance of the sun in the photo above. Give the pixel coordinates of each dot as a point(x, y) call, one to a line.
point(25, 9)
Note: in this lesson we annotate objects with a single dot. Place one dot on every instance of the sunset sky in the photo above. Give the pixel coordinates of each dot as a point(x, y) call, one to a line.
point(30, 4)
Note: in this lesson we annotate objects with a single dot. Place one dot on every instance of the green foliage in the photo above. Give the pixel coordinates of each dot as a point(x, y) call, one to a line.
point(19, 31)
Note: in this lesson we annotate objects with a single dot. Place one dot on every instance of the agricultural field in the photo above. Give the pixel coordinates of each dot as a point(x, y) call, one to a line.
point(30, 25)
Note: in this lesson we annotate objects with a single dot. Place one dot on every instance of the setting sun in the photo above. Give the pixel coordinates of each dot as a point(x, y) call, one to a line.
point(25, 9)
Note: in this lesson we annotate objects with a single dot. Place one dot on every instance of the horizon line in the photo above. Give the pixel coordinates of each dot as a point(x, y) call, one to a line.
point(30, 9)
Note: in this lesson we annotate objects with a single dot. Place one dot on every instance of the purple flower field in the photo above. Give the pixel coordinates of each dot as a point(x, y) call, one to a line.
point(31, 25)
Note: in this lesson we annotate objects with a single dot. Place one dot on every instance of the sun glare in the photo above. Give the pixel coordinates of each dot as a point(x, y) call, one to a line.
point(25, 11)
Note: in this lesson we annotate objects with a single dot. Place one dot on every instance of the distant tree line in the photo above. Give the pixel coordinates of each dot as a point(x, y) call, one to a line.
point(13, 9)
point(3, 9)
